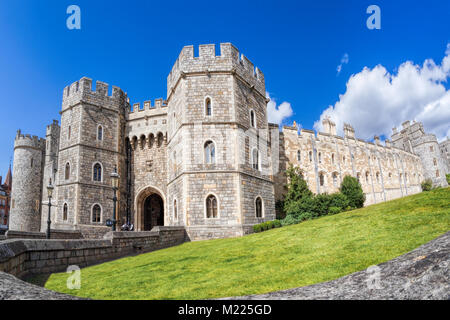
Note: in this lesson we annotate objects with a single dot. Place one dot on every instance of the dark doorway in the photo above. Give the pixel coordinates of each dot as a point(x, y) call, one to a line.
point(153, 212)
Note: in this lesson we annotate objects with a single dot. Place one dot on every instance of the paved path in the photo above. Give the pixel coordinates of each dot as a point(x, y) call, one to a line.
point(420, 274)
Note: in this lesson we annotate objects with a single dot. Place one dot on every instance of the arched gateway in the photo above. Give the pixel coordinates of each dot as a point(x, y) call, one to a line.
point(149, 209)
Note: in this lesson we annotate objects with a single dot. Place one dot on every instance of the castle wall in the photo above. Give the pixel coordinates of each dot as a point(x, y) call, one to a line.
point(444, 146)
point(385, 173)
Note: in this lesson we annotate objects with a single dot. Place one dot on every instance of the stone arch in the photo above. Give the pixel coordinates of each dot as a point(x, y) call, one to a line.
point(151, 140)
point(139, 202)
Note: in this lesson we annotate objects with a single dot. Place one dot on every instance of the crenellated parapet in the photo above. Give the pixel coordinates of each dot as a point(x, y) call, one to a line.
point(138, 110)
point(28, 141)
point(82, 91)
point(229, 60)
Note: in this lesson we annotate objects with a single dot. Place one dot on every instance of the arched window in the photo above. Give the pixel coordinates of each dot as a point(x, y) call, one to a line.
point(175, 209)
point(320, 157)
point(97, 172)
point(100, 133)
point(210, 152)
point(65, 209)
point(211, 206)
point(258, 207)
point(343, 159)
point(299, 156)
point(208, 107)
point(31, 162)
point(358, 176)
point(310, 156)
point(367, 177)
point(255, 159)
point(435, 161)
point(142, 141)
point(96, 213)
point(321, 179)
point(335, 180)
point(67, 172)
point(378, 177)
point(252, 119)
point(160, 139)
point(332, 158)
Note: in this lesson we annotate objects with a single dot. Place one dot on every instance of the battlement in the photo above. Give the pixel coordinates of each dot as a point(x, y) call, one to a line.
point(138, 110)
point(159, 103)
point(82, 91)
point(53, 127)
point(229, 60)
point(27, 140)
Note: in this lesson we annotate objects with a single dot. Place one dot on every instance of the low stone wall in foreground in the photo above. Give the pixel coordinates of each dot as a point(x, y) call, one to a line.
point(23, 257)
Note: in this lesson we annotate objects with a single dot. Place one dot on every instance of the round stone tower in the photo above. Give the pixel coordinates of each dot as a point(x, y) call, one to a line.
point(26, 187)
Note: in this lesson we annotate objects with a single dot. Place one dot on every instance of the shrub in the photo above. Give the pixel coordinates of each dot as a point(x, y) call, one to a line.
point(257, 228)
point(351, 188)
point(268, 225)
point(289, 220)
point(334, 210)
point(427, 185)
point(276, 223)
point(321, 205)
point(448, 178)
point(339, 200)
point(307, 216)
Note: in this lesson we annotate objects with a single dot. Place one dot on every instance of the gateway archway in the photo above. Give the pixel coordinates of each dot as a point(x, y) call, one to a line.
point(149, 209)
point(153, 212)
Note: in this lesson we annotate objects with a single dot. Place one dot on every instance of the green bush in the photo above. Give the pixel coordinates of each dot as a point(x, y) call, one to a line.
point(334, 210)
point(276, 223)
point(307, 216)
point(339, 200)
point(448, 178)
point(268, 225)
point(427, 185)
point(351, 188)
point(289, 220)
point(257, 228)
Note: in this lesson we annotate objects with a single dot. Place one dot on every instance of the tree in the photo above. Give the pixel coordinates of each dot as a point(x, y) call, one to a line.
point(297, 186)
point(351, 188)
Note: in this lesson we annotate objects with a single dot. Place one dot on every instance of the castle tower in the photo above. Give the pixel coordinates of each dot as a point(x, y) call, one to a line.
point(413, 138)
point(219, 176)
point(91, 145)
point(50, 173)
point(27, 183)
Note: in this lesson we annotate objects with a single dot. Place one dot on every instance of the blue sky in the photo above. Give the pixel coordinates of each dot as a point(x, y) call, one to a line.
point(297, 44)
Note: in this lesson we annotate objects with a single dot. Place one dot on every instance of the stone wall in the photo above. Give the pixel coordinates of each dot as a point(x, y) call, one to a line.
point(22, 257)
point(54, 234)
point(385, 172)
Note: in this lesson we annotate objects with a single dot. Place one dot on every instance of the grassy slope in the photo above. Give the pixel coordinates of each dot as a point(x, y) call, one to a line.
point(311, 252)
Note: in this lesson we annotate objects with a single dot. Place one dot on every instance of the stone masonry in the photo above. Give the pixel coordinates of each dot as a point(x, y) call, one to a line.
point(201, 159)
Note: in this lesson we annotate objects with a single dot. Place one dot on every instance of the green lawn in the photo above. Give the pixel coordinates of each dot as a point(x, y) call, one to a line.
point(310, 252)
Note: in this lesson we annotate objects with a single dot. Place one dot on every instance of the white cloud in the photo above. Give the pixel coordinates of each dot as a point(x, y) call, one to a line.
point(376, 100)
point(344, 60)
point(278, 114)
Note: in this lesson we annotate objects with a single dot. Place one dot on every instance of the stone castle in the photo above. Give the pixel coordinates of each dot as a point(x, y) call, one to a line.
point(205, 158)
